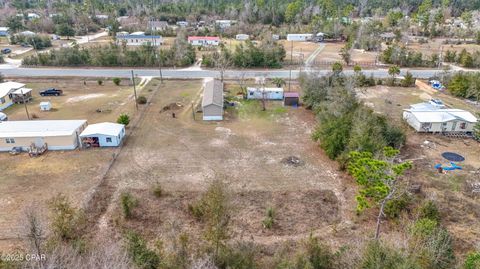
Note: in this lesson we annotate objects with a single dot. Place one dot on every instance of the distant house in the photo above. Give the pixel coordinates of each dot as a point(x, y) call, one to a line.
point(182, 23)
point(55, 134)
point(27, 33)
point(388, 37)
point(291, 99)
point(435, 118)
point(223, 24)
point(158, 25)
point(242, 37)
point(32, 16)
point(299, 37)
point(21, 95)
point(101, 17)
point(6, 89)
point(265, 93)
point(204, 41)
point(275, 37)
point(4, 31)
point(139, 39)
point(212, 101)
point(105, 134)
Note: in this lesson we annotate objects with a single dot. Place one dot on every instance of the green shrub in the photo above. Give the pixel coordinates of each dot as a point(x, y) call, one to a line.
point(269, 220)
point(123, 119)
point(66, 222)
point(424, 228)
point(116, 81)
point(140, 254)
point(394, 207)
point(429, 210)
point(100, 82)
point(377, 255)
point(472, 261)
point(128, 203)
point(318, 255)
point(142, 100)
point(196, 210)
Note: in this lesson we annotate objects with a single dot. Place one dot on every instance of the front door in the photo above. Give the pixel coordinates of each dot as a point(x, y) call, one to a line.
point(454, 126)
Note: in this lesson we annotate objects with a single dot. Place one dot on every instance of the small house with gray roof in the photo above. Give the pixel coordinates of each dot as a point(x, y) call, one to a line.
point(212, 102)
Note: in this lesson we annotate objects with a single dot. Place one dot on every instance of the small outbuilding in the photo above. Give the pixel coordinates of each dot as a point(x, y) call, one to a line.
point(212, 102)
point(45, 106)
point(299, 37)
point(242, 37)
point(6, 89)
point(4, 31)
point(291, 99)
point(265, 93)
point(105, 134)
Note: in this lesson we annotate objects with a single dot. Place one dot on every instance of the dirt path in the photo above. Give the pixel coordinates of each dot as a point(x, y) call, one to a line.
point(313, 56)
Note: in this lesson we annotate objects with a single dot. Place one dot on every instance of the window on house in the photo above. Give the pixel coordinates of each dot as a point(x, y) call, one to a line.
point(463, 125)
point(444, 123)
point(426, 125)
point(109, 140)
point(10, 140)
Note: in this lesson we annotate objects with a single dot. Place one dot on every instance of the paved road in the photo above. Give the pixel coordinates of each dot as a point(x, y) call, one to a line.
point(9, 70)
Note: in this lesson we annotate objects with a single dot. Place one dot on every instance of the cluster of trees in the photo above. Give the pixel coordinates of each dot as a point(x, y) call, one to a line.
point(403, 57)
point(36, 41)
point(267, 54)
point(465, 85)
point(182, 54)
point(464, 58)
point(344, 123)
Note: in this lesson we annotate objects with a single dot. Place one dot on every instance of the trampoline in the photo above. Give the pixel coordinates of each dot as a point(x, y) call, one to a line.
point(453, 157)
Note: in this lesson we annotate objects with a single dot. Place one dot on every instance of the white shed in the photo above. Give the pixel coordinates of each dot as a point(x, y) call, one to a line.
point(105, 134)
point(45, 106)
point(242, 37)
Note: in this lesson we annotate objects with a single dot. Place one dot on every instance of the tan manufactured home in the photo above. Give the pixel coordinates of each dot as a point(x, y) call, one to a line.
point(212, 102)
point(56, 134)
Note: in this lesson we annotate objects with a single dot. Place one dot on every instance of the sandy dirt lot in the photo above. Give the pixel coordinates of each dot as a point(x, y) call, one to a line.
point(28, 181)
point(301, 50)
point(330, 53)
point(452, 191)
point(246, 152)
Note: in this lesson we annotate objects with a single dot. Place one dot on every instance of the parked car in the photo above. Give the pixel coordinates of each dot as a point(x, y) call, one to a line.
point(25, 45)
point(51, 92)
point(6, 51)
point(3, 117)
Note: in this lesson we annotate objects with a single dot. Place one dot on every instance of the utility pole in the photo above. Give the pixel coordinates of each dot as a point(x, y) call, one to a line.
point(160, 65)
point(291, 63)
point(193, 111)
point(25, 104)
point(134, 91)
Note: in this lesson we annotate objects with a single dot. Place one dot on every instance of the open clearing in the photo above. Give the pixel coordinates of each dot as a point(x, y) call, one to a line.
point(434, 46)
point(452, 191)
point(25, 181)
point(300, 51)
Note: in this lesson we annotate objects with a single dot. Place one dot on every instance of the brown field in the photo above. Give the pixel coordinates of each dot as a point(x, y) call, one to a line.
point(330, 53)
point(32, 181)
point(435, 46)
point(301, 50)
point(451, 191)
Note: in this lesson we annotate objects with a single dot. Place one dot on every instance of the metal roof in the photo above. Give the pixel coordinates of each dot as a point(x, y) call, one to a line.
point(442, 115)
point(104, 128)
point(139, 36)
point(22, 91)
point(7, 87)
point(213, 93)
point(291, 94)
point(210, 38)
point(39, 128)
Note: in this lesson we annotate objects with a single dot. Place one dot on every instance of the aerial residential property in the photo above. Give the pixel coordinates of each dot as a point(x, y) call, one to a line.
point(212, 101)
point(430, 118)
point(242, 37)
point(223, 24)
point(204, 41)
point(158, 25)
point(6, 89)
point(54, 134)
point(139, 39)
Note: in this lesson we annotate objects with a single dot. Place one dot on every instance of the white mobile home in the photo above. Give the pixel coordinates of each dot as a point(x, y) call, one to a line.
point(299, 37)
point(265, 93)
point(56, 134)
point(204, 41)
point(427, 118)
point(212, 101)
point(139, 39)
point(105, 134)
point(242, 37)
point(4, 31)
point(6, 90)
point(223, 24)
